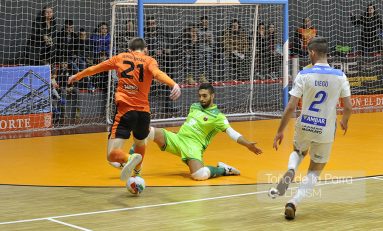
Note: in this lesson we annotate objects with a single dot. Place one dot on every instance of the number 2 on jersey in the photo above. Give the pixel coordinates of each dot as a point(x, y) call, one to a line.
point(125, 73)
point(322, 95)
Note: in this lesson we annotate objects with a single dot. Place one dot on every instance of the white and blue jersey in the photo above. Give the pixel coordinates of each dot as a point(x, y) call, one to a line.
point(321, 87)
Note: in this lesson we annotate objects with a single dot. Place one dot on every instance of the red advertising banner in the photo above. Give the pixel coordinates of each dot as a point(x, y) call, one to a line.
point(366, 101)
point(25, 122)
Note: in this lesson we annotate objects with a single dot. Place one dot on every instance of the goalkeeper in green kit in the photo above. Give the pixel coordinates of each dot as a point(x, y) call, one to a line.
point(204, 121)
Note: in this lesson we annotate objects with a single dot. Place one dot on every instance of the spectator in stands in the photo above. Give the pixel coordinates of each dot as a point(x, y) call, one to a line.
point(101, 39)
point(84, 50)
point(56, 98)
point(157, 41)
point(371, 26)
point(191, 50)
point(125, 36)
point(67, 45)
point(206, 40)
point(69, 94)
point(236, 47)
point(100, 81)
point(55, 87)
point(154, 38)
point(261, 50)
point(274, 52)
point(42, 42)
point(84, 57)
point(160, 47)
point(302, 37)
point(63, 73)
point(271, 38)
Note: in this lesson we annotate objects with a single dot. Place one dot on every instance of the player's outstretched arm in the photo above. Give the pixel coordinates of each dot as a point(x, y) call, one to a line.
point(347, 110)
point(164, 78)
point(289, 110)
point(237, 137)
point(101, 67)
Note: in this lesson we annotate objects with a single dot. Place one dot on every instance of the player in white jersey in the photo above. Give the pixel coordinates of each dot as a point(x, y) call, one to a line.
point(320, 88)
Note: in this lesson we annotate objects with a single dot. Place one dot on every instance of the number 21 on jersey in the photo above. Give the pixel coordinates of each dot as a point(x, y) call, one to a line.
point(321, 96)
point(126, 73)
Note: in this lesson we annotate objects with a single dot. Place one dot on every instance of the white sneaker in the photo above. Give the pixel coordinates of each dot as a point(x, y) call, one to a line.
point(133, 161)
point(117, 164)
point(273, 193)
point(229, 170)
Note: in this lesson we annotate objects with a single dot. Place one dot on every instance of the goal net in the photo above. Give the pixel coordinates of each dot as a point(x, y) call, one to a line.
point(42, 43)
point(355, 33)
point(236, 47)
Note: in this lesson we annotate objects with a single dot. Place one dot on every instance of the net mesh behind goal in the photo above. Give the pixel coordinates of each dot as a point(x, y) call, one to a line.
point(212, 43)
point(354, 30)
point(65, 36)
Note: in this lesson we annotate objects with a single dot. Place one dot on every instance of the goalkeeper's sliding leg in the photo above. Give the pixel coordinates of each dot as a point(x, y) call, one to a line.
point(191, 154)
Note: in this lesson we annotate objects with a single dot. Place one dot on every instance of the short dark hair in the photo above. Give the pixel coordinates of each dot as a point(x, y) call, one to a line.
point(102, 24)
point(68, 22)
point(42, 13)
point(369, 7)
point(260, 24)
point(206, 86)
point(319, 45)
point(137, 44)
point(150, 18)
point(204, 18)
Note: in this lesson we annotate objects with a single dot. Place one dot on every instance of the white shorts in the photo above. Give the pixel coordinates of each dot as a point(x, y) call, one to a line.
point(319, 152)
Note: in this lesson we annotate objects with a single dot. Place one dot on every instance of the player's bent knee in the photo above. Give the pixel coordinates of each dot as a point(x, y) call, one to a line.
point(139, 142)
point(117, 155)
point(201, 174)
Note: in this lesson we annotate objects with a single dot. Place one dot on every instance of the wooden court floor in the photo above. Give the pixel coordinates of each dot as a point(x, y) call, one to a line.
point(235, 207)
point(238, 203)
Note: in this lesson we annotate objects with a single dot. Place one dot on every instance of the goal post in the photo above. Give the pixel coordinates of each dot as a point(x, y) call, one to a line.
point(250, 76)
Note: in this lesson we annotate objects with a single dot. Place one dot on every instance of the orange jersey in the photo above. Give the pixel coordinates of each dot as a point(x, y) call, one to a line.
point(135, 72)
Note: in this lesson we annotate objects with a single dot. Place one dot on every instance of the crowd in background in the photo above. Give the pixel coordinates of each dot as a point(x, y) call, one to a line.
point(195, 55)
point(369, 22)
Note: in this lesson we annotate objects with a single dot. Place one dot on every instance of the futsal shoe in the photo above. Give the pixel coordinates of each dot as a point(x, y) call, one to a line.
point(229, 170)
point(131, 152)
point(290, 211)
point(127, 170)
point(273, 193)
point(117, 164)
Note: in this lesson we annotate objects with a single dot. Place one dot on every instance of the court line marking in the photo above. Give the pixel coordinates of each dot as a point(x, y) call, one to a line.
point(377, 178)
point(133, 208)
point(163, 204)
point(67, 224)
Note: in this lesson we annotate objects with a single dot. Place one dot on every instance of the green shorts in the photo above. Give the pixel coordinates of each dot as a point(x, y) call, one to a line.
point(182, 147)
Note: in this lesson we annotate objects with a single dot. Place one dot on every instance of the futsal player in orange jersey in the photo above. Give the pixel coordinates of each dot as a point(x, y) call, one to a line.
point(135, 72)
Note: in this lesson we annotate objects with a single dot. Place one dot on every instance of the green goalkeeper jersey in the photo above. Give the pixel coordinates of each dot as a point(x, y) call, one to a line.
point(202, 124)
